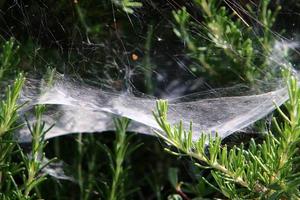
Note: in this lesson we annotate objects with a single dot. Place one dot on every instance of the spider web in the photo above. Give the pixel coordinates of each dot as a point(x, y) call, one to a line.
point(99, 79)
point(82, 108)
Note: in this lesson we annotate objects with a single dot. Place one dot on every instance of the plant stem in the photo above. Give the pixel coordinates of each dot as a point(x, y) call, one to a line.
point(120, 150)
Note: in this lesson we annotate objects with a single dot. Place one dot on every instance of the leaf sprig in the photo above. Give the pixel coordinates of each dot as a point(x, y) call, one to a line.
point(260, 171)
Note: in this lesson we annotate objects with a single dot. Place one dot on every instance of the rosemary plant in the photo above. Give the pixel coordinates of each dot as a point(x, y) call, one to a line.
point(35, 161)
point(86, 171)
point(127, 6)
point(111, 185)
point(11, 166)
point(8, 147)
point(121, 150)
point(8, 58)
point(9, 107)
point(262, 171)
point(118, 185)
point(224, 43)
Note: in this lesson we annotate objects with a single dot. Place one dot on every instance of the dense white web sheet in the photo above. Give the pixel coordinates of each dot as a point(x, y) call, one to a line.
point(82, 108)
point(77, 107)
